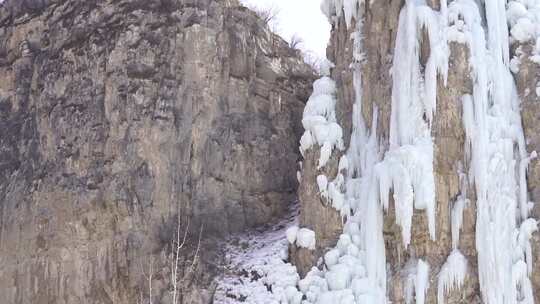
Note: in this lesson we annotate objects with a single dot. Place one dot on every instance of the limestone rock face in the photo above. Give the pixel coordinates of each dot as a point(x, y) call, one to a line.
point(121, 119)
point(380, 22)
point(316, 212)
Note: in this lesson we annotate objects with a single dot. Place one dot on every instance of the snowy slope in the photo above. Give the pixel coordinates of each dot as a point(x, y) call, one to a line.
point(256, 270)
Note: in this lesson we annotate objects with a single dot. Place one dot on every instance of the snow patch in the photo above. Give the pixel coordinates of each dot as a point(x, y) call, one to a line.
point(256, 271)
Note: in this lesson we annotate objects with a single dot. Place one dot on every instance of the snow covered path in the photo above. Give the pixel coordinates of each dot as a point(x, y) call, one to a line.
point(256, 271)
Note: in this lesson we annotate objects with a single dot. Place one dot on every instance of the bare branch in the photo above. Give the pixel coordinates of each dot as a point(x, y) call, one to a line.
point(182, 269)
point(296, 42)
point(267, 14)
point(196, 256)
point(149, 278)
point(314, 61)
point(176, 254)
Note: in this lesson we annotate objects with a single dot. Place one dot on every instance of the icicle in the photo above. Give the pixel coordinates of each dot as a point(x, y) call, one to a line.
point(416, 281)
point(457, 211)
point(494, 133)
point(350, 10)
point(408, 165)
point(319, 121)
point(527, 228)
point(497, 29)
point(322, 182)
point(457, 219)
point(422, 281)
point(452, 274)
point(523, 200)
point(521, 285)
point(328, 8)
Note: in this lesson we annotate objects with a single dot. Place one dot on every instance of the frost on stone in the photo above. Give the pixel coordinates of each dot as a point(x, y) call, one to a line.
point(452, 275)
point(319, 121)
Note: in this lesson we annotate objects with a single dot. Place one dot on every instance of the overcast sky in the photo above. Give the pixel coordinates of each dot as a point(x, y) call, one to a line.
point(301, 17)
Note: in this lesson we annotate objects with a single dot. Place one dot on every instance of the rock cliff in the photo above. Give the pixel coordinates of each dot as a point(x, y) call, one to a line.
point(127, 125)
point(369, 53)
point(137, 135)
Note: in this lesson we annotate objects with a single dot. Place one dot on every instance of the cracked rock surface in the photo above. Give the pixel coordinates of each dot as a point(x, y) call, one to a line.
point(121, 118)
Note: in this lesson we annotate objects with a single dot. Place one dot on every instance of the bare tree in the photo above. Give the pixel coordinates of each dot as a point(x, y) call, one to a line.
point(183, 261)
point(267, 14)
point(180, 274)
point(177, 248)
point(296, 42)
point(148, 277)
point(314, 61)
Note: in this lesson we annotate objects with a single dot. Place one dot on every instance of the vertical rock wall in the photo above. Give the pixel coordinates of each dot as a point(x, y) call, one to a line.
point(120, 119)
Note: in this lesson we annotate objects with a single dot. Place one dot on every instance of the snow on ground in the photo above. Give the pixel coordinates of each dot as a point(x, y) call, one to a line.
point(256, 271)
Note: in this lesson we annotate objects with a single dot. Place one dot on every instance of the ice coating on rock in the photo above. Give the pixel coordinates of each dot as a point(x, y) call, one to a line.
point(319, 121)
point(452, 274)
point(494, 154)
point(305, 238)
